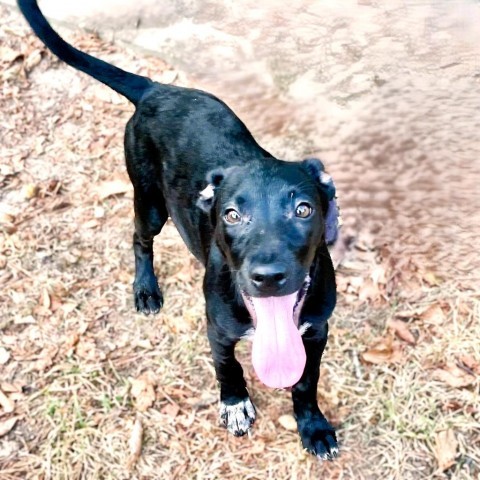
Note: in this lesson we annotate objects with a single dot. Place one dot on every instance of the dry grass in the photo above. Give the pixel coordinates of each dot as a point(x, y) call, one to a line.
point(72, 348)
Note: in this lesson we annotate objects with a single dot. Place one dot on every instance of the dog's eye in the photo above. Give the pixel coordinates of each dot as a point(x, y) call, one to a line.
point(304, 210)
point(232, 216)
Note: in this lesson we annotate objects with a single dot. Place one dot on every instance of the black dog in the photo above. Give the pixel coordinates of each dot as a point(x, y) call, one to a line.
point(259, 225)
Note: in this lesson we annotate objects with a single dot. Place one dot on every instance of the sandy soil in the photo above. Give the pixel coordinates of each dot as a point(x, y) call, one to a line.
point(90, 390)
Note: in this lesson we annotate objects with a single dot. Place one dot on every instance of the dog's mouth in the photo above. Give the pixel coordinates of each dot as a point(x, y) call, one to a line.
point(278, 354)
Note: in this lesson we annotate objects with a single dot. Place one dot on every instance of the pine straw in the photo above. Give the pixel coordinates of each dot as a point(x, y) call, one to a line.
point(67, 320)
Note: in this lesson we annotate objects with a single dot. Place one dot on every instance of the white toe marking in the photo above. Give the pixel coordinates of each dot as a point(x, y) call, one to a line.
point(248, 335)
point(304, 327)
point(238, 418)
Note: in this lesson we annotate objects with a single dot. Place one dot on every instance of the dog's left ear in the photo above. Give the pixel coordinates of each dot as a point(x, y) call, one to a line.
point(214, 178)
point(315, 167)
point(206, 196)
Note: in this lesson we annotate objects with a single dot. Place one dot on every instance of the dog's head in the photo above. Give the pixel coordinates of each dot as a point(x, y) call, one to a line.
point(270, 219)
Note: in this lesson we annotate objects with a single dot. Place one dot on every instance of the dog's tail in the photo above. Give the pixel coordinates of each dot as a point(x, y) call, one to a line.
point(127, 84)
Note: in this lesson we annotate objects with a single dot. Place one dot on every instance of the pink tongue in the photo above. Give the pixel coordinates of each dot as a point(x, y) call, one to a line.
point(278, 355)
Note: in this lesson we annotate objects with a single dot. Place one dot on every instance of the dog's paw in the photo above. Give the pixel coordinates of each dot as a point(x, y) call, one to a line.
point(318, 437)
point(148, 298)
point(239, 417)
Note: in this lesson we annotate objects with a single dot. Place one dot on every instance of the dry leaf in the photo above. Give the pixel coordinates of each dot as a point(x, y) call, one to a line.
point(135, 443)
point(46, 301)
point(8, 55)
point(454, 376)
point(8, 448)
point(401, 330)
point(288, 422)
point(6, 218)
point(433, 315)
point(7, 425)
point(383, 351)
point(470, 363)
point(143, 390)
point(29, 191)
point(8, 387)
point(45, 360)
point(445, 449)
point(379, 275)
point(368, 291)
point(71, 342)
point(171, 410)
point(28, 320)
point(33, 59)
point(4, 356)
point(86, 348)
point(431, 279)
point(112, 187)
point(6, 403)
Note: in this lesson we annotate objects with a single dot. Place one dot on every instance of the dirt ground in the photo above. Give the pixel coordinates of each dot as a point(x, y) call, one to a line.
point(91, 390)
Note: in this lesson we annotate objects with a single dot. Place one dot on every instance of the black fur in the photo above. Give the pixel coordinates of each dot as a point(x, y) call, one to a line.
point(180, 142)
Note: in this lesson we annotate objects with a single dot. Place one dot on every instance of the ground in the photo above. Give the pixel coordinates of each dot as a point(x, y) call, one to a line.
point(91, 390)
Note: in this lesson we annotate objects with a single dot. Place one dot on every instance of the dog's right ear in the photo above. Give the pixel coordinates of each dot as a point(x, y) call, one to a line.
point(207, 195)
point(316, 168)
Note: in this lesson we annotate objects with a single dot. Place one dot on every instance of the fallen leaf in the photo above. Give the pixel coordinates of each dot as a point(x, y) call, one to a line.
point(6, 403)
point(454, 376)
point(431, 279)
point(86, 348)
point(445, 449)
point(379, 275)
point(33, 59)
point(46, 301)
point(8, 448)
point(112, 187)
point(45, 360)
point(171, 410)
point(4, 355)
point(8, 55)
point(288, 422)
point(29, 191)
point(401, 330)
point(143, 390)
point(71, 342)
point(433, 315)
point(470, 363)
point(383, 351)
point(135, 443)
point(28, 320)
point(6, 218)
point(8, 387)
point(368, 291)
point(7, 425)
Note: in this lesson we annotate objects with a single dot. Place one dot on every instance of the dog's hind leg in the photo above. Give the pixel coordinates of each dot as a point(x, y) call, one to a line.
point(150, 216)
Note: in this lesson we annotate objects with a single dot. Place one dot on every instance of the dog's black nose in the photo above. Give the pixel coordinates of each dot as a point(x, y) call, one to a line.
point(269, 278)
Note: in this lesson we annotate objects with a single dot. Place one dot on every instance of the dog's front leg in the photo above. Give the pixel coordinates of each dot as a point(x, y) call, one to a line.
point(237, 412)
point(317, 435)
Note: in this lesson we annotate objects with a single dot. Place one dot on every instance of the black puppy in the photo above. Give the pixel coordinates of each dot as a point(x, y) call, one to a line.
point(259, 225)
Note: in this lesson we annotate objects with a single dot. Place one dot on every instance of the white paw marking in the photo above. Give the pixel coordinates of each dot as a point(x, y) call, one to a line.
point(238, 418)
point(248, 335)
point(304, 327)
